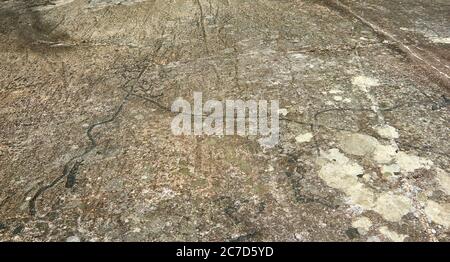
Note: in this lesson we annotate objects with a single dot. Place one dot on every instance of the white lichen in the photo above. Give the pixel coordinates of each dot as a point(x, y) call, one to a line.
point(438, 213)
point(363, 224)
point(304, 138)
point(392, 235)
point(364, 82)
point(443, 179)
point(393, 207)
point(386, 131)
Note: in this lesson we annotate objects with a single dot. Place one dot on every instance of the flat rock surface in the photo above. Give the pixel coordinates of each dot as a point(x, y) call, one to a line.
point(87, 153)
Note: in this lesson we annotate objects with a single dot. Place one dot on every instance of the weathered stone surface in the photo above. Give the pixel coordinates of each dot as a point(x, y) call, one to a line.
point(87, 154)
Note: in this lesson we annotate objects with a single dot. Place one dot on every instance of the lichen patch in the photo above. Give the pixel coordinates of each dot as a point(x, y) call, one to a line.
point(364, 82)
point(304, 138)
point(437, 213)
point(363, 224)
point(409, 163)
point(358, 144)
point(393, 207)
point(387, 131)
point(392, 235)
point(443, 179)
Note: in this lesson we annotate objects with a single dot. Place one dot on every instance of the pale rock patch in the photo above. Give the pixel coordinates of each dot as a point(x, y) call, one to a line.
point(304, 138)
point(341, 173)
point(387, 132)
point(384, 154)
point(139, 117)
point(302, 236)
point(363, 224)
point(433, 37)
point(393, 207)
point(336, 91)
point(360, 195)
point(392, 235)
point(338, 98)
point(73, 239)
point(54, 4)
point(373, 239)
point(298, 56)
point(440, 40)
point(409, 163)
point(283, 111)
point(361, 145)
point(99, 4)
point(267, 142)
point(357, 144)
point(364, 82)
point(444, 180)
point(334, 155)
point(390, 170)
point(439, 214)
